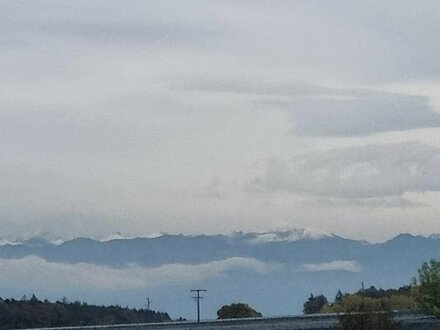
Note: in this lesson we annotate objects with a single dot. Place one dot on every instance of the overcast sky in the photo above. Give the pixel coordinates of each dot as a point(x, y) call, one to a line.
point(216, 116)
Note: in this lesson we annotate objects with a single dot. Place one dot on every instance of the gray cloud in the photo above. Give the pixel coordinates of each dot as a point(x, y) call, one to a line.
point(94, 22)
point(360, 41)
point(257, 88)
point(365, 202)
point(128, 33)
point(393, 38)
point(373, 171)
point(213, 189)
point(321, 111)
point(359, 113)
point(115, 115)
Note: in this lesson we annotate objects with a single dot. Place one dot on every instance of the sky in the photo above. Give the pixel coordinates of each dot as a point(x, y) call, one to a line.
point(194, 117)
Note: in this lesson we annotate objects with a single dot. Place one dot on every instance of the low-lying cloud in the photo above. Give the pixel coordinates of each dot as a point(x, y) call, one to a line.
point(34, 273)
point(337, 265)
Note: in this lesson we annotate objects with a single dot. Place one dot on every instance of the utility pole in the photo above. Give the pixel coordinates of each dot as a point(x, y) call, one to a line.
point(197, 298)
point(148, 309)
point(148, 304)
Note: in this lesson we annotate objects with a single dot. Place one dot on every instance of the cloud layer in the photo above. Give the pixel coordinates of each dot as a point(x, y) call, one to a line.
point(357, 172)
point(34, 273)
point(356, 113)
point(145, 117)
point(324, 111)
point(337, 265)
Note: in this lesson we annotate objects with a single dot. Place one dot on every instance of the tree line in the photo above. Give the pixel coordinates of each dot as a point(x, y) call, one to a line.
point(371, 308)
point(34, 313)
point(368, 308)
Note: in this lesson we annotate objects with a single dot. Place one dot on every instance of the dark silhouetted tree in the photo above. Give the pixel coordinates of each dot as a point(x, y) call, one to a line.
point(235, 311)
point(314, 304)
point(33, 313)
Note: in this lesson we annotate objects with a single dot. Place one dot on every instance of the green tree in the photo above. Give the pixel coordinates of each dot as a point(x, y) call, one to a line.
point(366, 313)
point(235, 311)
point(367, 321)
point(314, 304)
point(429, 287)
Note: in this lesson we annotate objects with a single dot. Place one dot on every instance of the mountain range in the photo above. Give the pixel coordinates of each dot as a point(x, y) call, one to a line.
point(274, 272)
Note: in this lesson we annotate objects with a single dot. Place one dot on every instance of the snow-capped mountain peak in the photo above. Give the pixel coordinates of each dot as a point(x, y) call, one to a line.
point(291, 235)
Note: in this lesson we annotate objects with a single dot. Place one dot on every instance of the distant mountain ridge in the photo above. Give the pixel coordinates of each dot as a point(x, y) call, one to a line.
point(164, 249)
point(294, 234)
point(280, 235)
point(294, 246)
point(302, 262)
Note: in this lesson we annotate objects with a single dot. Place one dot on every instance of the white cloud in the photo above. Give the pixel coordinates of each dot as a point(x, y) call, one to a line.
point(366, 172)
point(337, 265)
point(34, 273)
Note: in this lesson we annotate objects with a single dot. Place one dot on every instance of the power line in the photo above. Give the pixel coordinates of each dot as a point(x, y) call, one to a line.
point(197, 298)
